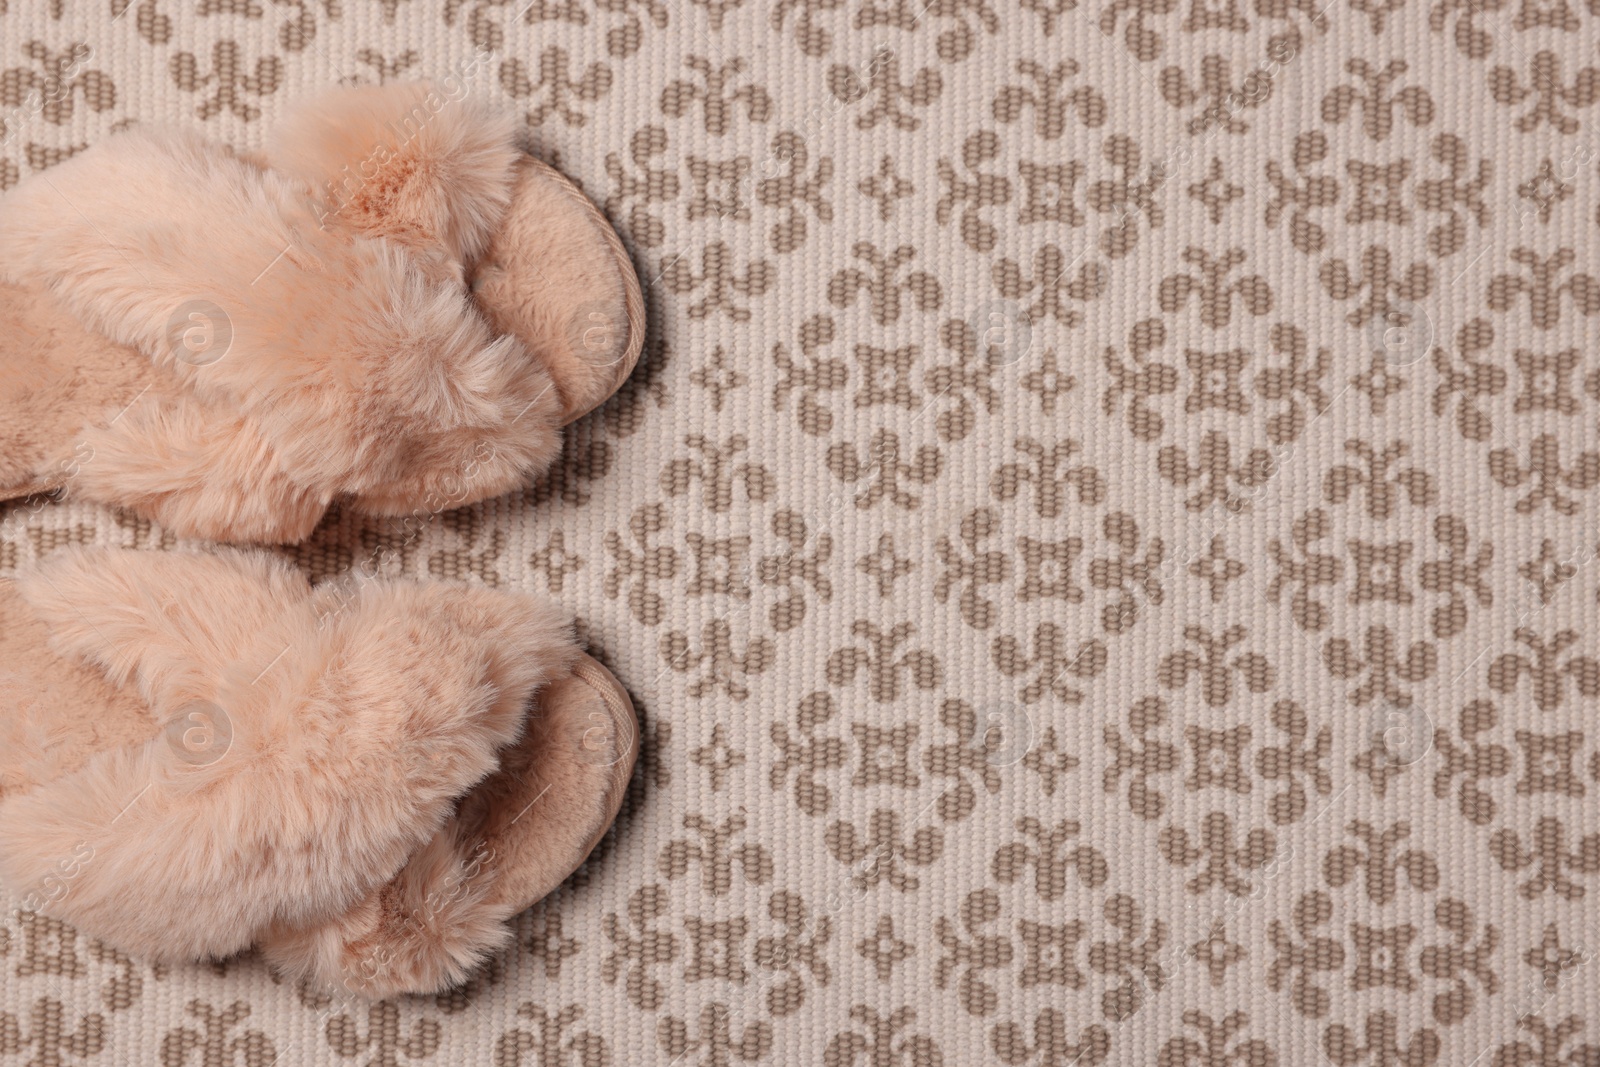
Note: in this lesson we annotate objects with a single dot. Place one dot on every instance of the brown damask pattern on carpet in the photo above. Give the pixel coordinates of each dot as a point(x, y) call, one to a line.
point(1102, 535)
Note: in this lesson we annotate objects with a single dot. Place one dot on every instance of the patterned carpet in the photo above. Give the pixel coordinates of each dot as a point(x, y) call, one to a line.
point(1101, 536)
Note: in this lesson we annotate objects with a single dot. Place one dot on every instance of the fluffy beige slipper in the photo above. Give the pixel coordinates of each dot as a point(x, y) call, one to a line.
point(201, 752)
point(393, 305)
point(513, 839)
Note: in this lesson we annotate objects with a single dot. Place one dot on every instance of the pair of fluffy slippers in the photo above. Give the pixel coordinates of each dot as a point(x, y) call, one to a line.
point(393, 306)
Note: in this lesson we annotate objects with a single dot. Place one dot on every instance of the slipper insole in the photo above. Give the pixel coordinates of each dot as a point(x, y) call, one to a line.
point(55, 713)
point(56, 377)
point(557, 790)
point(557, 276)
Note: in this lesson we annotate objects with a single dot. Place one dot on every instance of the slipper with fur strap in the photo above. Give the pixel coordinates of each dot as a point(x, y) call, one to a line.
point(392, 305)
point(201, 752)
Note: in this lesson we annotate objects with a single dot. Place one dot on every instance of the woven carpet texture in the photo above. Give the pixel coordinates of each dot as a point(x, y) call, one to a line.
point(1101, 536)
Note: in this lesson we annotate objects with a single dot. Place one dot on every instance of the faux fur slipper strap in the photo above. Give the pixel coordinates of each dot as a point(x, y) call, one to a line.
point(196, 749)
point(424, 167)
point(310, 333)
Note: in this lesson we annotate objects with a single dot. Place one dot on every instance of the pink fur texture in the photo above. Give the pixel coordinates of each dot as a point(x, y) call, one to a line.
point(352, 359)
point(358, 718)
point(423, 932)
point(199, 469)
point(409, 161)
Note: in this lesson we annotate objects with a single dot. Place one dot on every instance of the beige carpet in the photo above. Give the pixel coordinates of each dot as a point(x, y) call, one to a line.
point(1102, 534)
